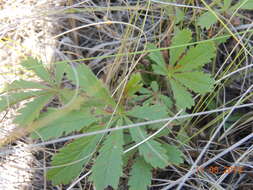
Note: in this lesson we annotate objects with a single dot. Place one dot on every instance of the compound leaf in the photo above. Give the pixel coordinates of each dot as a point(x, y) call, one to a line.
point(197, 81)
point(179, 15)
point(157, 58)
point(60, 69)
point(159, 70)
point(184, 71)
point(197, 57)
point(227, 4)
point(37, 67)
point(67, 123)
point(108, 165)
point(175, 156)
point(71, 158)
point(13, 98)
point(182, 96)
point(140, 175)
point(83, 76)
point(151, 150)
point(166, 101)
point(154, 86)
point(243, 4)
point(32, 110)
point(22, 84)
point(247, 6)
point(133, 85)
point(67, 95)
point(148, 112)
point(206, 20)
point(182, 37)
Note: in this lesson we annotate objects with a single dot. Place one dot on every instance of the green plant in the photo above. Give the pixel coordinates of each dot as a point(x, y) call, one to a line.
point(184, 70)
point(86, 105)
point(89, 107)
point(207, 19)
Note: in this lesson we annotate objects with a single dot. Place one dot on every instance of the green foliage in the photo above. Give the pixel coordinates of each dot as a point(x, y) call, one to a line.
point(88, 107)
point(22, 85)
point(182, 96)
point(243, 4)
point(133, 85)
point(227, 4)
point(108, 165)
point(197, 81)
point(151, 150)
point(174, 154)
point(160, 66)
point(77, 119)
point(13, 98)
point(196, 57)
point(37, 67)
point(42, 96)
point(69, 162)
point(140, 175)
point(208, 19)
point(179, 16)
point(184, 71)
point(147, 112)
point(182, 37)
point(89, 83)
point(153, 96)
point(32, 110)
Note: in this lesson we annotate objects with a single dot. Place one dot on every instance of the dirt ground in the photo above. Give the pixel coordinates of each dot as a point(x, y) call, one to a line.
point(23, 31)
